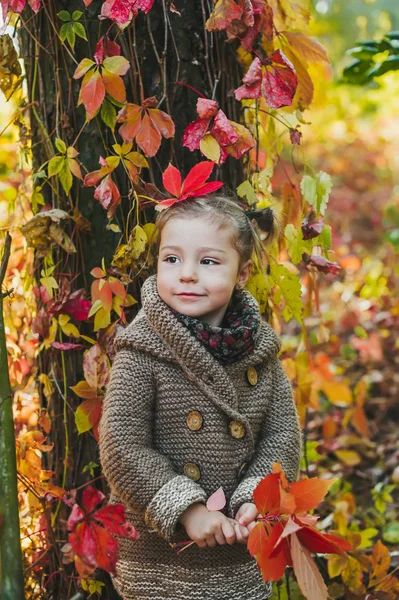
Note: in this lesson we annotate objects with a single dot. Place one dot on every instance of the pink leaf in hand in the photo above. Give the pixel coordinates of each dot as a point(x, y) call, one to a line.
point(217, 500)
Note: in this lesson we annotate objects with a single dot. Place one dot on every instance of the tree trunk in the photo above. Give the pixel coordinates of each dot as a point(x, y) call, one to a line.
point(165, 50)
point(11, 573)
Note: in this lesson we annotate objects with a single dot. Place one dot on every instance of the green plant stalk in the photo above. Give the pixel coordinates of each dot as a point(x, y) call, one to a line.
point(11, 569)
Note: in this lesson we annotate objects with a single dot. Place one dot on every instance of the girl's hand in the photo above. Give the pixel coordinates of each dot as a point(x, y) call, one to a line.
point(207, 528)
point(245, 521)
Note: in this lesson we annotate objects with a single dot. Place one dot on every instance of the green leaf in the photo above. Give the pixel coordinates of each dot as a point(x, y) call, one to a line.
point(390, 533)
point(325, 239)
point(245, 190)
point(65, 176)
point(64, 15)
point(79, 30)
point(290, 288)
point(316, 191)
point(76, 15)
point(55, 165)
point(108, 114)
point(296, 245)
point(67, 33)
point(60, 145)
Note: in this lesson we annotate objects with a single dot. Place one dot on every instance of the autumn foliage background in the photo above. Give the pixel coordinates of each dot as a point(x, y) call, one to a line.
point(321, 150)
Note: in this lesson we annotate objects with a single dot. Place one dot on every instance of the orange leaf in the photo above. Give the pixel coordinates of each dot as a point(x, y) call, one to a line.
point(148, 137)
point(84, 390)
point(305, 47)
point(100, 290)
point(273, 563)
point(114, 85)
point(87, 415)
point(130, 116)
point(163, 122)
point(310, 492)
point(381, 561)
point(309, 579)
point(267, 494)
point(92, 92)
point(256, 540)
point(338, 392)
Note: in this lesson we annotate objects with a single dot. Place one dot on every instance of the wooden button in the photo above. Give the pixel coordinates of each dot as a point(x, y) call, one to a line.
point(192, 471)
point(194, 420)
point(237, 429)
point(252, 376)
point(242, 470)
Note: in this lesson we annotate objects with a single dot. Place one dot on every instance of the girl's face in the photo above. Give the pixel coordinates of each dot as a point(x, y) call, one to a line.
point(198, 268)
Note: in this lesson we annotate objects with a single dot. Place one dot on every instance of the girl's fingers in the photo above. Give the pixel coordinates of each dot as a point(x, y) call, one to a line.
point(249, 515)
point(220, 539)
point(201, 544)
point(210, 541)
point(251, 525)
point(228, 531)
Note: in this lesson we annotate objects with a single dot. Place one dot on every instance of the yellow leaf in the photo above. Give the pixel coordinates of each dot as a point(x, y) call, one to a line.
point(48, 388)
point(338, 392)
point(258, 286)
point(95, 307)
point(305, 47)
point(151, 232)
point(10, 69)
point(71, 330)
point(352, 574)
point(102, 319)
point(348, 457)
point(336, 564)
point(84, 390)
point(50, 284)
point(381, 561)
point(137, 241)
point(210, 148)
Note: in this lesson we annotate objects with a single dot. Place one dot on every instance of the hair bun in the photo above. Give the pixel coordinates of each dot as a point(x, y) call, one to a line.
point(266, 219)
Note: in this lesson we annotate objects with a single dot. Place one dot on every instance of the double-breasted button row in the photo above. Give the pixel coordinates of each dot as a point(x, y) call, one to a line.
point(252, 376)
point(237, 429)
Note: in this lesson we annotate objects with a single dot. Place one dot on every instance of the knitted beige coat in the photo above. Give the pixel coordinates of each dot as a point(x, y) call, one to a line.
point(176, 425)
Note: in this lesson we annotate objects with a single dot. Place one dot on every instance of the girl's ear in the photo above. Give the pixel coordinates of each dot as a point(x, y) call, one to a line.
point(244, 273)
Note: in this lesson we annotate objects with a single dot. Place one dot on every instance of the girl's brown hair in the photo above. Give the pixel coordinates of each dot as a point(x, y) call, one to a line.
point(228, 214)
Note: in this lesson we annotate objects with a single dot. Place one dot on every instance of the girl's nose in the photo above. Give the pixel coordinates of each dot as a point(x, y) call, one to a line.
point(188, 272)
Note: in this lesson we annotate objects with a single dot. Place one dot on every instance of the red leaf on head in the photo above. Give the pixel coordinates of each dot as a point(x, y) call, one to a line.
point(206, 109)
point(207, 188)
point(193, 134)
point(279, 81)
point(171, 180)
point(267, 494)
point(197, 176)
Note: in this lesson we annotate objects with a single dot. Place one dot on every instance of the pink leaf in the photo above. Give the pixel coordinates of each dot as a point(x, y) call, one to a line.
point(66, 346)
point(206, 109)
point(171, 179)
point(217, 500)
point(193, 134)
point(76, 515)
point(309, 579)
point(223, 131)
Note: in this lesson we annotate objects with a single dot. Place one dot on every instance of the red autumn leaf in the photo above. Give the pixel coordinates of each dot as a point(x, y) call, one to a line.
point(224, 12)
point(123, 11)
point(18, 6)
point(279, 81)
point(145, 124)
point(222, 130)
point(252, 82)
point(95, 365)
point(273, 562)
point(108, 195)
point(316, 541)
point(313, 229)
point(193, 185)
point(322, 264)
point(193, 134)
point(244, 141)
point(267, 494)
point(114, 85)
point(92, 532)
point(256, 540)
point(206, 109)
point(171, 180)
point(295, 136)
point(309, 492)
point(100, 290)
point(77, 306)
point(88, 415)
point(105, 47)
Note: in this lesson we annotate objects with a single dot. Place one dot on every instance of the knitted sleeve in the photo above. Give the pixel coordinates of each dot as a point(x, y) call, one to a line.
point(140, 476)
point(280, 441)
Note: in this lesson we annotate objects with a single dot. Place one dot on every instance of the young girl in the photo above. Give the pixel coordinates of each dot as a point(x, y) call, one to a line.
point(197, 400)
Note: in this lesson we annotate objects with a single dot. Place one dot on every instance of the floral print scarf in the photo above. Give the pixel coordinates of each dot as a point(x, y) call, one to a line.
point(236, 336)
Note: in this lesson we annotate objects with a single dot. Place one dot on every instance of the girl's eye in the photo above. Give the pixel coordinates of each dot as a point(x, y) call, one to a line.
point(209, 261)
point(171, 259)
